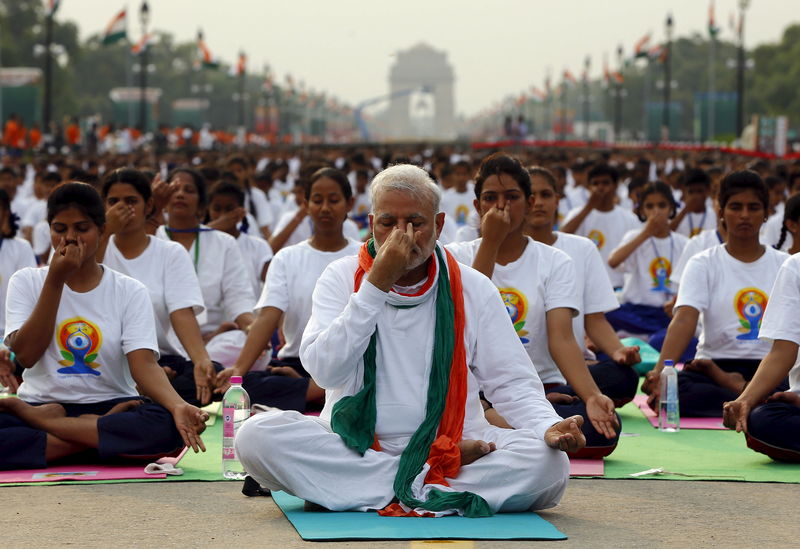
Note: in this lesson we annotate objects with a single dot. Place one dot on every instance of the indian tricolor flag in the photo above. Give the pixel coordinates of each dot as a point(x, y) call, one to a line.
point(569, 78)
point(241, 65)
point(52, 7)
point(116, 29)
point(146, 41)
point(208, 61)
point(713, 29)
point(640, 48)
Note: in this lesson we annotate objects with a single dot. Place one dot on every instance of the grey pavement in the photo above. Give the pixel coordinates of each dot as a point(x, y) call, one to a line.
point(594, 513)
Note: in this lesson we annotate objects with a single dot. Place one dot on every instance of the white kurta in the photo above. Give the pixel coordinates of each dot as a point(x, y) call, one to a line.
point(285, 450)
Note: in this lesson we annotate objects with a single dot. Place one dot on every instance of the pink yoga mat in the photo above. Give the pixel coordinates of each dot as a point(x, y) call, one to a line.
point(76, 472)
point(586, 468)
point(714, 423)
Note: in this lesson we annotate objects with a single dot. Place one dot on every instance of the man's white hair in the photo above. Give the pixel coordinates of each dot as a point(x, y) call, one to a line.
point(409, 179)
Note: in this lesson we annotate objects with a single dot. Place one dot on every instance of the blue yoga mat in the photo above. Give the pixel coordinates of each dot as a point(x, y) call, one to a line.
point(322, 526)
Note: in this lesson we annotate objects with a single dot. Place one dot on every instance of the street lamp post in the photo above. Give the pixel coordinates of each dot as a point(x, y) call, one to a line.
point(740, 72)
point(618, 96)
point(144, 18)
point(48, 73)
point(667, 82)
point(586, 64)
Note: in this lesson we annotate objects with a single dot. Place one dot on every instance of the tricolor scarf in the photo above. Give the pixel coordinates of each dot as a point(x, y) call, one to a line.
point(436, 439)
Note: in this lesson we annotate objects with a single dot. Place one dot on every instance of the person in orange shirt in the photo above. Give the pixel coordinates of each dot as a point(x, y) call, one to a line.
point(11, 131)
point(34, 136)
point(73, 134)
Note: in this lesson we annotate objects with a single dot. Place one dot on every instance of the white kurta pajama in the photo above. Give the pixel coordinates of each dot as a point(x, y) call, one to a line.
point(301, 455)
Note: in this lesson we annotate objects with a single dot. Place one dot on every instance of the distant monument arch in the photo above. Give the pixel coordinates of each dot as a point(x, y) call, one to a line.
point(416, 68)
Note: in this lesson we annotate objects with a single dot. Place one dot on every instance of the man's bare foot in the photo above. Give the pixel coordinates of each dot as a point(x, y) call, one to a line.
point(124, 406)
point(472, 450)
point(732, 381)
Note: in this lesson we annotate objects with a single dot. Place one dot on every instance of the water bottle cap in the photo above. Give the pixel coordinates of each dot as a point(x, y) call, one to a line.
point(236, 380)
point(669, 363)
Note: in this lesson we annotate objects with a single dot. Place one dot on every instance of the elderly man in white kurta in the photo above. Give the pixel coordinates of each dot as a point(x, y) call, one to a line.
point(403, 338)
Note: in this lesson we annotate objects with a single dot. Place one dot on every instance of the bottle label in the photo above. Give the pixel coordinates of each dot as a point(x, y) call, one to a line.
point(227, 422)
point(228, 453)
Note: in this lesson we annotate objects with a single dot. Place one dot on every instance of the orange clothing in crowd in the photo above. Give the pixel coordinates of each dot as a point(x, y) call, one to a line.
point(34, 137)
point(11, 133)
point(73, 134)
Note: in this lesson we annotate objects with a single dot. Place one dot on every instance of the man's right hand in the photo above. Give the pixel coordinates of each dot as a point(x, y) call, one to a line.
point(393, 258)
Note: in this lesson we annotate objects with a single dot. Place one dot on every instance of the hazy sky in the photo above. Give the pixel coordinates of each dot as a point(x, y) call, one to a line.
point(499, 47)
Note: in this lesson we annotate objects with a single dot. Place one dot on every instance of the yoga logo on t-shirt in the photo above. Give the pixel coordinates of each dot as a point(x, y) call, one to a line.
point(660, 271)
point(517, 307)
point(79, 342)
point(462, 212)
point(749, 305)
point(598, 238)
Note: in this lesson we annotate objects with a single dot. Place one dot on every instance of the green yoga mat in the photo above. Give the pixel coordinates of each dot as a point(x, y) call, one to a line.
point(322, 526)
point(703, 455)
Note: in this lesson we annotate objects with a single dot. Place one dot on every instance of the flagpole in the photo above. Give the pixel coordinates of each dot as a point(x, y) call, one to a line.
point(645, 96)
point(144, 16)
point(48, 73)
point(711, 85)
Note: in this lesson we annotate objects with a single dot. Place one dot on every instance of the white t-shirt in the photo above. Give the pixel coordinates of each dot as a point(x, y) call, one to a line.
point(731, 297)
point(648, 270)
point(167, 273)
point(780, 318)
point(36, 211)
point(41, 238)
point(542, 279)
point(466, 233)
point(261, 205)
point(94, 331)
point(306, 228)
point(606, 230)
point(697, 244)
point(693, 224)
point(291, 278)
point(256, 253)
point(458, 205)
point(591, 280)
point(15, 254)
point(222, 275)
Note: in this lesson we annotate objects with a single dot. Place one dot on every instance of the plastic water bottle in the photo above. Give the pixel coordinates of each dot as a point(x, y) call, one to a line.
point(669, 417)
point(235, 410)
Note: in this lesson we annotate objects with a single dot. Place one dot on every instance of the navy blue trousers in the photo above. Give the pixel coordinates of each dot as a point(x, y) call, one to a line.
point(774, 429)
point(700, 396)
point(286, 393)
point(638, 319)
point(145, 432)
point(616, 381)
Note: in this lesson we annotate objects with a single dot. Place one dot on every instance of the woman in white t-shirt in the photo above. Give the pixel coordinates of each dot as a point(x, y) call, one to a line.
point(537, 284)
point(728, 284)
point(86, 337)
point(226, 211)
point(646, 257)
point(287, 294)
point(227, 295)
point(613, 372)
point(772, 428)
point(167, 272)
